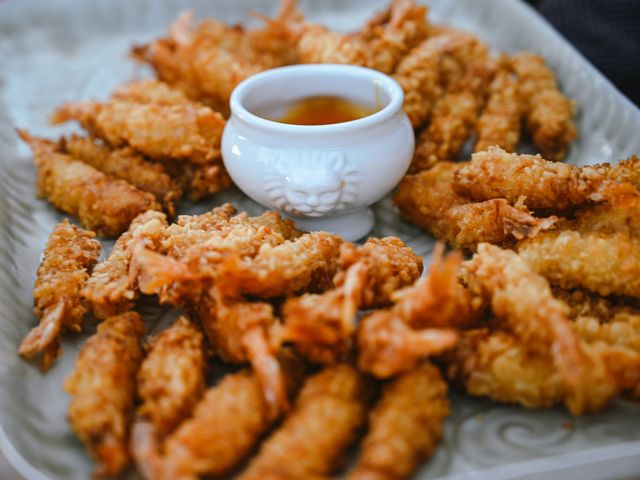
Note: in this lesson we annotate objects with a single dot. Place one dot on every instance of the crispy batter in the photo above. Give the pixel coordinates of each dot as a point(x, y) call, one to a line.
point(126, 165)
point(101, 203)
point(318, 44)
point(68, 257)
point(543, 184)
point(607, 218)
point(199, 181)
point(103, 389)
point(321, 326)
point(454, 117)
point(172, 376)
point(548, 113)
point(188, 132)
point(624, 171)
point(392, 33)
point(600, 262)
point(150, 91)
point(326, 418)
point(499, 123)
point(110, 290)
point(427, 69)
point(522, 300)
point(306, 263)
point(394, 340)
point(404, 427)
point(208, 61)
point(427, 200)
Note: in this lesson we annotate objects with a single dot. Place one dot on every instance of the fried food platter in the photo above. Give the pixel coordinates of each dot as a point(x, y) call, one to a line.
point(80, 52)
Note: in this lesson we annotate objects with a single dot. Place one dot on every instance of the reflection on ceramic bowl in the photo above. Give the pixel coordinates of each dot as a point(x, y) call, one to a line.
point(322, 176)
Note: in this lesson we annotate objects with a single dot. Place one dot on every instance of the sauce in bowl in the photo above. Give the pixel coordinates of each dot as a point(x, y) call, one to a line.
point(324, 110)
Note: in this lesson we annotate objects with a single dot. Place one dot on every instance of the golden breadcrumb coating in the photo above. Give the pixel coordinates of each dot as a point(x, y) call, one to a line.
point(150, 91)
point(126, 165)
point(68, 257)
point(172, 376)
point(199, 181)
point(548, 113)
point(499, 123)
point(318, 44)
point(404, 427)
point(454, 117)
point(101, 203)
point(428, 200)
point(321, 326)
point(426, 70)
point(543, 184)
point(186, 131)
point(311, 441)
point(605, 263)
point(110, 290)
point(103, 389)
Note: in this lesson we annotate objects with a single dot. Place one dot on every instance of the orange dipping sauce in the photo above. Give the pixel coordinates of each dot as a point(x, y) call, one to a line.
point(324, 111)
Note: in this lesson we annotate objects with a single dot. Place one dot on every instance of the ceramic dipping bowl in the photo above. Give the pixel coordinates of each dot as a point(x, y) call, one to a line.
point(322, 176)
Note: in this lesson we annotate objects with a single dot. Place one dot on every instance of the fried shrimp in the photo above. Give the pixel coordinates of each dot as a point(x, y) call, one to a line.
point(394, 340)
point(187, 131)
point(428, 200)
point(600, 262)
point(69, 256)
point(308, 262)
point(404, 427)
point(126, 165)
point(392, 33)
point(101, 203)
point(548, 113)
point(321, 326)
point(103, 388)
point(172, 376)
point(498, 174)
point(110, 290)
point(499, 123)
point(207, 61)
point(523, 301)
point(311, 441)
point(426, 70)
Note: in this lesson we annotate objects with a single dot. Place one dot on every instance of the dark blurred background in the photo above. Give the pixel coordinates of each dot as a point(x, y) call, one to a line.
point(607, 32)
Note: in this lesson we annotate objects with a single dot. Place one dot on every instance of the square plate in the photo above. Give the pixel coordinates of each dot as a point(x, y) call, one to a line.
point(70, 50)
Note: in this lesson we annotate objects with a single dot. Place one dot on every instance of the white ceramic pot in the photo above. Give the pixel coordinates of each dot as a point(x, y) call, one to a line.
point(322, 176)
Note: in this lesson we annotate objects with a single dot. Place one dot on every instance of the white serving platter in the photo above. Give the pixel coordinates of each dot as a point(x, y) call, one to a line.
point(51, 52)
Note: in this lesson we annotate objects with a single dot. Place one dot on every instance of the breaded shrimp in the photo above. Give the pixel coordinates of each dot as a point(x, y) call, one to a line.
point(404, 427)
point(499, 123)
point(454, 116)
point(522, 300)
point(103, 389)
point(306, 263)
point(110, 290)
point(199, 181)
point(548, 113)
point(172, 376)
point(427, 69)
point(321, 326)
point(187, 131)
point(126, 165)
point(69, 256)
point(419, 324)
point(311, 441)
point(101, 203)
point(392, 33)
point(543, 184)
point(600, 262)
point(428, 200)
